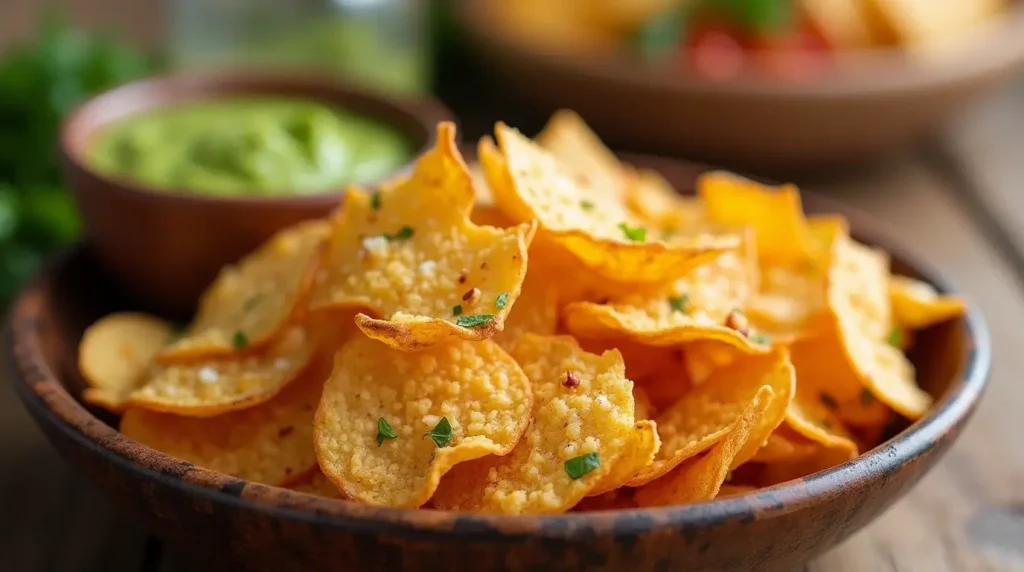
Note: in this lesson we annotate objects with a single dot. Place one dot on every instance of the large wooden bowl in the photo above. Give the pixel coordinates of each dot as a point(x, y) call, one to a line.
point(883, 98)
point(234, 523)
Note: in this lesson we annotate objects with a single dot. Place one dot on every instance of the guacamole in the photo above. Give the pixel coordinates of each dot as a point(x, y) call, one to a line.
point(250, 146)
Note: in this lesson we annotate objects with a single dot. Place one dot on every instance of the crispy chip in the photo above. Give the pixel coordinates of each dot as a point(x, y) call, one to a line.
point(813, 418)
point(536, 311)
point(416, 261)
point(701, 479)
point(654, 199)
point(667, 385)
point(583, 405)
point(581, 152)
point(638, 456)
point(619, 499)
point(703, 358)
point(643, 409)
point(916, 305)
point(115, 354)
point(785, 444)
point(477, 387)
point(252, 302)
point(529, 184)
point(214, 386)
point(315, 482)
point(270, 443)
point(775, 214)
point(782, 471)
point(704, 416)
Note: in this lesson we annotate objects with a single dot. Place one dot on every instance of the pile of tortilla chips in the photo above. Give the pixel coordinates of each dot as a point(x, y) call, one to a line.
point(552, 331)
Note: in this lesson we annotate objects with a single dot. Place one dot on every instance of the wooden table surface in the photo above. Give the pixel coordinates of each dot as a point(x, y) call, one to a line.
point(956, 199)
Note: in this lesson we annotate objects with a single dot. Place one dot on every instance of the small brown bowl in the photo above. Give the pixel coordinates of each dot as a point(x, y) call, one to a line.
point(165, 247)
point(230, 522)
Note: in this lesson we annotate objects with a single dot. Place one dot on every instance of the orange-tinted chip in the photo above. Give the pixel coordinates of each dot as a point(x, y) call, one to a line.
point(391, 423)
point(701, 479)
point(785, 444)
point(653, 199)
point(916, 305)
point(536, 311)
point(115, 355)
point(316, 483)
point(638, 456)
point(642, 406)
point(410, 256)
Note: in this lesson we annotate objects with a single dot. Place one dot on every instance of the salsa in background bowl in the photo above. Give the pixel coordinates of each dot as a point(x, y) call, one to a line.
point(178, 175)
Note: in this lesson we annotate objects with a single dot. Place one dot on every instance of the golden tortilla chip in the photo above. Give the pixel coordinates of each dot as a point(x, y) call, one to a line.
point(410, 256)
point(637, 457)
point(536, 311)
point(116, 352)
point(642, 407)
point(254, 301)
point(783, 471)
point(701, 479)
point(704, 416)
point(916, 305)
point(583, 423)
point(582, 153)
point(813, 417)
point(315, 482)
point(653, 198)
point(530, 184)
point(214, 386)
point(390, 423)
point(270, 443)
point(785, 444)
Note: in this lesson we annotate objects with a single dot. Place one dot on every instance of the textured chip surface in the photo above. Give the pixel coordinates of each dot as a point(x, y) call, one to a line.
point(116, 352)
point(916, 305)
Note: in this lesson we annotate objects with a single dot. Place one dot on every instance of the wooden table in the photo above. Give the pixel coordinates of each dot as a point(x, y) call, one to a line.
point(955, 199)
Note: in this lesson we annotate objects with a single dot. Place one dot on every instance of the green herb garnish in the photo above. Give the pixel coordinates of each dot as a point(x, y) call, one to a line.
point(828, 401)
point(441, 434)
point(457, 310)
point(680, 303)
point(239, 340)
point(760, 339)
point(375, 200)
point(866, 397)
point(586, 205)
point(895, 338)
point(502, 300)
point(384, 431)
point(474, 320)
point(404, 233)
point(579, 466)
point(636, 234)
point(250, 303)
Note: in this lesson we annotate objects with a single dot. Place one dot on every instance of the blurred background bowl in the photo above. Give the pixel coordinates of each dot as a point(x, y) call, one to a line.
point(876, 100)
point(167, 246)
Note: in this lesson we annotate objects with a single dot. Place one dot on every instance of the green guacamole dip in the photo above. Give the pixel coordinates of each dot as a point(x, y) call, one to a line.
point(250, 146)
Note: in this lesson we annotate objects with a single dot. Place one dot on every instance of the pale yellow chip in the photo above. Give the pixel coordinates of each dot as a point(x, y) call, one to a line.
point(701, 479)
point(475, 386)
point(583, 405)
point(705, 415)
point(252, 302)
point(924, 23)
point(638, 456)
point(653, 198)
point(785, 444)
point(536, 311)
point(814, 418)
point(116, 352)
point(213, 386)
point(270, 443)
point(582, 154)
point(413, 260)
point(916, 305)
point(775, 214)
point(847, 24)
point(529, 184)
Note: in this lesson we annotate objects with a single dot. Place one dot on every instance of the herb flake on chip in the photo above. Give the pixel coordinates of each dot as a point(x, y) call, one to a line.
point(384, 431)
point(502, 300)
point(441, 434)
point(579, 466)
point(636, 234)
point(457, 310)
point(239, 340)
point(250, 303)
point(586, 205)
point(404, 233)
point(760, 339)
point(375, 200)
point(474, 320)
point(680, 304)
point(895, 338)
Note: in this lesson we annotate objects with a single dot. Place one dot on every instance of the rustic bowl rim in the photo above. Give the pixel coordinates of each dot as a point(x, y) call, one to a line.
point(41, 390)
point(998, 46)
point(217, 83)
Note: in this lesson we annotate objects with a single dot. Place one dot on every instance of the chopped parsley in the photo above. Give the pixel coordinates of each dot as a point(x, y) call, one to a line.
point(384, 431)
point(579, 466)
point(636, 234)
point(457, 310)
point(239, 340)
point(404, 233)
point(586, 205)
point(680, 303)
point(828, 401)
point(502, 300)
point(474, 320)
point(375, 200)
point(441, 434)
point(895, 338)
point(760, 339)
point(250, 302)
point(866, 397)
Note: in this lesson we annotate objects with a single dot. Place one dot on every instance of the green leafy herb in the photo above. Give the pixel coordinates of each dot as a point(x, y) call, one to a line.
point(250, 303)
point(828, 401)
point(404, 233)
point(441, 434)
point(866, 397)
point(680, 303)
point(636, 234)
point(579, 466)
point(760, 339)
point(375, 200)
point(474, 320)
point(502, 300)
point(239, 340)
point(586, 205)
point(384, 431)
point(895, 337)
point(457, 310)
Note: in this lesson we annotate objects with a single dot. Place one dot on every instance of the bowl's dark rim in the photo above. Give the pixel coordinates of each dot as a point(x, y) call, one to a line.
point(997, 51)
point(425, 111)
point(41, 391)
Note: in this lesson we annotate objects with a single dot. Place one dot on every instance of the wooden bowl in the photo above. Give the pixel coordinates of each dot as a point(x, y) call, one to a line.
point(166, 247)
point(881, 99)
point(231, 522)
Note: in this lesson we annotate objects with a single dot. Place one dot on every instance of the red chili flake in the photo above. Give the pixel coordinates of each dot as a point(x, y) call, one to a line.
point(285, 431)
point(471, 295)
point(483, 265)
point(604, 301)
point(737, 321)
point(570, 379)
point(463, 277)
